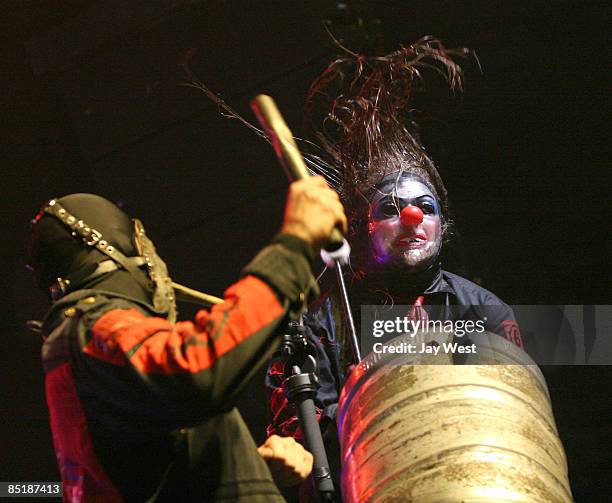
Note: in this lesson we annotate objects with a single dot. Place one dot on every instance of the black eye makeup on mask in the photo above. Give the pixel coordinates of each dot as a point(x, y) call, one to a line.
point(389, 207)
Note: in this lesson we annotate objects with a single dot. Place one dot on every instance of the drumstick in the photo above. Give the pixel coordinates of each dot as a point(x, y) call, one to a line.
point(286, 150)
point(291, 159)
point(186, 294)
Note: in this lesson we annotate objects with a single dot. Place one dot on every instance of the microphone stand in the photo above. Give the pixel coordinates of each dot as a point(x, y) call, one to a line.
point(336, 259)
point(300, 385)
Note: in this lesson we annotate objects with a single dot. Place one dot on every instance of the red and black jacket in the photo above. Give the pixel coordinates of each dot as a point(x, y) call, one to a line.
point(142, 409)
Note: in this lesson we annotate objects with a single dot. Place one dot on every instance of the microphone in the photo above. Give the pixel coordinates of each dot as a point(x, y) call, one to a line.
point(288, 154)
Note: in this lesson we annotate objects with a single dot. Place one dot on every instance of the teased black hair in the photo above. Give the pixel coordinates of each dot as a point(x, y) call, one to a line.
point(370, 129)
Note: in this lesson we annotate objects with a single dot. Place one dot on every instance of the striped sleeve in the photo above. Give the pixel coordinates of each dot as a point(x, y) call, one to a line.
point(193, 369)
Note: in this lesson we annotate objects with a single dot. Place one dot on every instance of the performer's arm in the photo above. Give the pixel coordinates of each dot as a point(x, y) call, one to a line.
point(500, 318)
point(509, 328)
point(189, 371)
point(195, 369)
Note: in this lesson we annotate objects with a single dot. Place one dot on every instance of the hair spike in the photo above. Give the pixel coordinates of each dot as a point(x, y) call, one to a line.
point(369, 102)
point(373, 113)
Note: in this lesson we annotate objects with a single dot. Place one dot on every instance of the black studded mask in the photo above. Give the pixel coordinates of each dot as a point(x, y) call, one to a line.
point(80, 238)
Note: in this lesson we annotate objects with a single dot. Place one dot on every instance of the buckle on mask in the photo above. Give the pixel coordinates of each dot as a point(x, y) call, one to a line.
point(92, 238)
point(59, 288)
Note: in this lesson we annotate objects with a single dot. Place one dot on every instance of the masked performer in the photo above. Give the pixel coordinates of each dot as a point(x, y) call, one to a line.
point(398, 214)
point(141, 406)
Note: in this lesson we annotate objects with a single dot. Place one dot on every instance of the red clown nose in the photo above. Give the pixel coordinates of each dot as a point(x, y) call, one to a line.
point(411, 215)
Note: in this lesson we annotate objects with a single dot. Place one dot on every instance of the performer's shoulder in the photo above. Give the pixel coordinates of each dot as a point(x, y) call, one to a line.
point(470, 292)
point(85, 305)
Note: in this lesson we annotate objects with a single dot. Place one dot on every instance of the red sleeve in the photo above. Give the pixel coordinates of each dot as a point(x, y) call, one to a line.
point(194, 366)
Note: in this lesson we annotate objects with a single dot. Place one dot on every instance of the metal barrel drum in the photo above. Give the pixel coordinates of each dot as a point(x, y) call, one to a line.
point(420, 429)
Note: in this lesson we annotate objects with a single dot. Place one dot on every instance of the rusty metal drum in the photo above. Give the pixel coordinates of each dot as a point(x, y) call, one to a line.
point(427, 431)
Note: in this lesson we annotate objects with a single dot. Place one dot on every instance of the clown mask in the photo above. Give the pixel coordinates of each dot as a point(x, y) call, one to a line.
point(404, 223)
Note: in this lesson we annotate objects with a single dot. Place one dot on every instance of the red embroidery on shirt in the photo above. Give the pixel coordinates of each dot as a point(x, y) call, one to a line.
point(513, 333)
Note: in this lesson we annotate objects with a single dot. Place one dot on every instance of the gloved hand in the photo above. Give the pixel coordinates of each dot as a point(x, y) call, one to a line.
point(312, 211)
point(288, 461)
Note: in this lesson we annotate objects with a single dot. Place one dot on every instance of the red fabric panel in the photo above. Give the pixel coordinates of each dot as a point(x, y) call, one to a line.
point(119, 330)
point(82, 474)
point(250, 305)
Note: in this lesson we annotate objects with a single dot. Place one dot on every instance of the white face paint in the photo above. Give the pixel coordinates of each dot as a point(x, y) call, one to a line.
point(393, 243)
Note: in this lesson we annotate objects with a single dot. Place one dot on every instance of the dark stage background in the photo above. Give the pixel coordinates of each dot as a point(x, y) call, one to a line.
point(90, 103)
